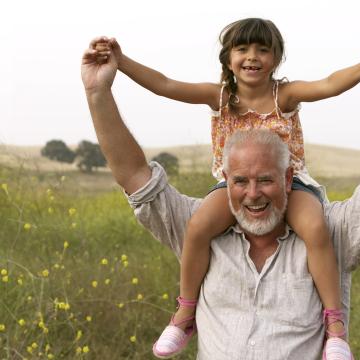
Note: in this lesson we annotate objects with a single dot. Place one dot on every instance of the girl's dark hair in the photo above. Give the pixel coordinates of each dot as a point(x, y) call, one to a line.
point(246, 32)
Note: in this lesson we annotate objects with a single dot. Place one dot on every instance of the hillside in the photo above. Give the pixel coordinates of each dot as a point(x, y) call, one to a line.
point(336, 168)
point(322, 161)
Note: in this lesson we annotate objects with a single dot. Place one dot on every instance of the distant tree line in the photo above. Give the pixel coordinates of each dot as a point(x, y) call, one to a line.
point(87, 155)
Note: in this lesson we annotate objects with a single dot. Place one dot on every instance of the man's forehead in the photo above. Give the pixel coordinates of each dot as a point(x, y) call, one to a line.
point(253, 154)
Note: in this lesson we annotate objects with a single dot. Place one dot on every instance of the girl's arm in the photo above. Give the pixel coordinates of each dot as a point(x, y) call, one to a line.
point(156, 82)
point(335, 84)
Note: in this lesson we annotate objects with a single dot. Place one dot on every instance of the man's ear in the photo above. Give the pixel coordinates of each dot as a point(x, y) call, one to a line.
point(289, 178)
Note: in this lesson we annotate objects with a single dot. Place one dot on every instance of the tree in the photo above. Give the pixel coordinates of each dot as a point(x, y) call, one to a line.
point(58, 150)
point(89, 156)
point(168, 161)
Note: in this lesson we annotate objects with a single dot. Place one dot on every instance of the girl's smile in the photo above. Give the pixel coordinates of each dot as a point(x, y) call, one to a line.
point(251, 60)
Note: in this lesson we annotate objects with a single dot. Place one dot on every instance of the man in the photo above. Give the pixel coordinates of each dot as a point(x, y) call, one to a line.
point(258, 300)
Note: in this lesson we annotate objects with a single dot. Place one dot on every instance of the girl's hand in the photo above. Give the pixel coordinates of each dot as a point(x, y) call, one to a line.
point(98, 67)
point(103, 44)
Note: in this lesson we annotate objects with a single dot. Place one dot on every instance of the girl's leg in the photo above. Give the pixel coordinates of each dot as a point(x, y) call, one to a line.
point(305, 215)
point(211, 219)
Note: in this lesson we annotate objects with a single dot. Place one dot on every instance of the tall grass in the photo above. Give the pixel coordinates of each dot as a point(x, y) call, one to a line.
point(80, 279)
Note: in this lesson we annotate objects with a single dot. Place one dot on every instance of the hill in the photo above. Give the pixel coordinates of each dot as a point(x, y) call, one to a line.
point(334, 167)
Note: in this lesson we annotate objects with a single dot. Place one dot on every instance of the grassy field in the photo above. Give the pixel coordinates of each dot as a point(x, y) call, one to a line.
point(80, 279)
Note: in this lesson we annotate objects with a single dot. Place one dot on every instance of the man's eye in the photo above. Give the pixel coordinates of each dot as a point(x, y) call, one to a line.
point(265, 181)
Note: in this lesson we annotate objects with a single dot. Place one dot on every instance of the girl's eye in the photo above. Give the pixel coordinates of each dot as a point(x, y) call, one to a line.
point(265, 49)
point(241, 48)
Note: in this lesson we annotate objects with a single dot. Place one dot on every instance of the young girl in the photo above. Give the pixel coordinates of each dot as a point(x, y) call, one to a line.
point(250, 97)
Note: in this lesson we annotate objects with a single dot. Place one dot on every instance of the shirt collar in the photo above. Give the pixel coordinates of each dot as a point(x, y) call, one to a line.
point(236, 228)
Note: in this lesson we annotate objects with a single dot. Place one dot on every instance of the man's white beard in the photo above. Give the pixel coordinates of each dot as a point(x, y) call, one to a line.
point(260, 227)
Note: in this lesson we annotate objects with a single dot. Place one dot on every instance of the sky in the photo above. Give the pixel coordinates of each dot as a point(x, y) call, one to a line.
point(41, 93)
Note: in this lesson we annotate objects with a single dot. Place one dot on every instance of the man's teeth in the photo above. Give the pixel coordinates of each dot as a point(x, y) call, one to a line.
point(256, 207)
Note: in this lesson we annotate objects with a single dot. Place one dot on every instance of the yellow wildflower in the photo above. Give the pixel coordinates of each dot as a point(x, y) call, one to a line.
point(50, 210)
point(63, 178)
point(5, 278)
point(125, 263)
point(88, 318)
point(78, 335)
point(85, 349)
point(27, 226)
point(3, 272)
point(133, 338)
point(123, 257)
point(50, 356)
point(73, 225)
point(140, 297)
point(120, 305)
point(78, 350)
point(5, 188)
point(29, 349)
point(94, 284)
point(104, 261)
point(135, 281)
point(51, 198)
point(66, 244)
point(2, 327)
point(45, 273)
point(72, 211)
point(107, 281)
point(22, 322)
point(63, 305)
point(20, 281)
point(34, 345)
point(165, 296)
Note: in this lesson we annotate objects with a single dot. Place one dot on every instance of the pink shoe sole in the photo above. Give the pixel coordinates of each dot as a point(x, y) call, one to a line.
point(174, 333)
point(337, 349)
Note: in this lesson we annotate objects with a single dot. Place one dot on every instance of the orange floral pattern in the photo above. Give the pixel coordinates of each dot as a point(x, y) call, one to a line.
point(286, 125)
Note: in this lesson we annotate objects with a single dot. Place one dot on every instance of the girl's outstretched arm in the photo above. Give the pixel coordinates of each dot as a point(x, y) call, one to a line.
point(335, 84)
point(158, 83)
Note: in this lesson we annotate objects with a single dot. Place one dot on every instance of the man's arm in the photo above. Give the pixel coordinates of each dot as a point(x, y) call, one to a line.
point(123, 154)
point(344, 225)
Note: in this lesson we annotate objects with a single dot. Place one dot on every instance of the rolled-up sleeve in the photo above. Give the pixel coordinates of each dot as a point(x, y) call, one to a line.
point(162, 210)
point(344, 223)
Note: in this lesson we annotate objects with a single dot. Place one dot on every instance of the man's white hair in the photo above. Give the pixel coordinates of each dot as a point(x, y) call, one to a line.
point(258, 137)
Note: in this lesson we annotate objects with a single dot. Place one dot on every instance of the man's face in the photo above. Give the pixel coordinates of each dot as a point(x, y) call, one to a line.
point(257, 189)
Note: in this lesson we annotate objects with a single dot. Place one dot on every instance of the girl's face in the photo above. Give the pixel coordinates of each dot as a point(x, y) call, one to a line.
point(252, 63)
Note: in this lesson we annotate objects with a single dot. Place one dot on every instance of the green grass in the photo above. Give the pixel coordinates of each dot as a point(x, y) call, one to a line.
point(78, 272)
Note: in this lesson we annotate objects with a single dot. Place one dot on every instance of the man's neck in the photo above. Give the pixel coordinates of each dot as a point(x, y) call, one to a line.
point(263, 246)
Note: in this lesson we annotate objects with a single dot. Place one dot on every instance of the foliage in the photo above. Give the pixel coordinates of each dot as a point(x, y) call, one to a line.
point(89, 156)
point(58, 150)
point(169, 162)
point(80, 279)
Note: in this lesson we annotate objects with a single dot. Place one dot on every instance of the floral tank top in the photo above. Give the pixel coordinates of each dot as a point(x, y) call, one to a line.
point(286, 125)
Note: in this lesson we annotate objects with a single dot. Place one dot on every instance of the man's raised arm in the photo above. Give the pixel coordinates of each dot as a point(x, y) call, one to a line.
point(123, 154)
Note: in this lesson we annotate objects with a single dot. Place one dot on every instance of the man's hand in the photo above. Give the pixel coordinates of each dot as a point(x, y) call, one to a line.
point(98, 67)
point(105, 44)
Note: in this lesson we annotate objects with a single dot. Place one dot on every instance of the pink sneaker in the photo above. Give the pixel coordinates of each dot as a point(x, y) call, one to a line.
point(173, 340)
point(335, 348)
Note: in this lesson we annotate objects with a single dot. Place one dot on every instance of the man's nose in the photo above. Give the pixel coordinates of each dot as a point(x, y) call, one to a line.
point(253, 190)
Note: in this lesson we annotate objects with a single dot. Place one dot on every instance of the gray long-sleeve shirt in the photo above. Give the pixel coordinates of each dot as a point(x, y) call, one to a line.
point(243, 314)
